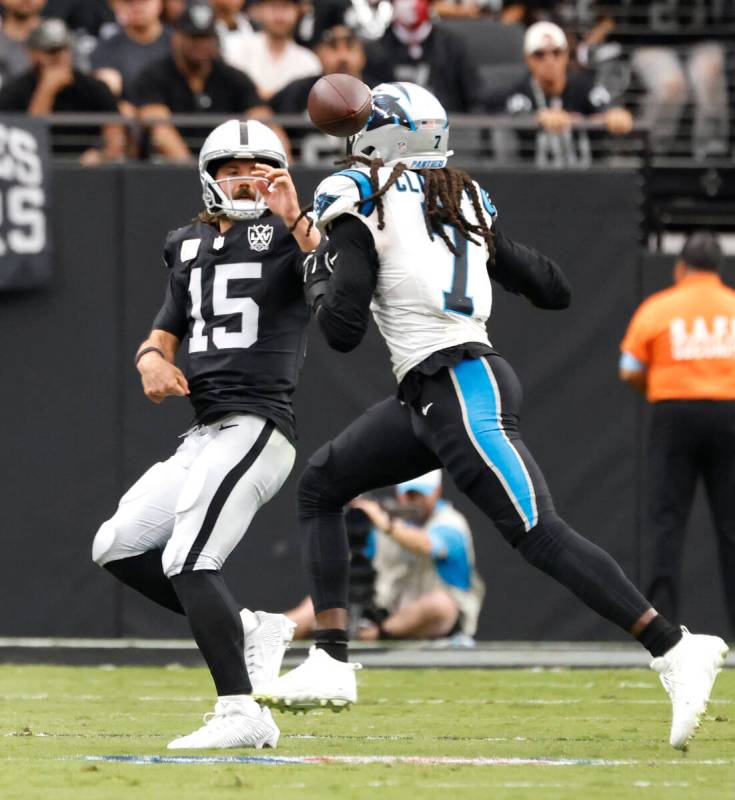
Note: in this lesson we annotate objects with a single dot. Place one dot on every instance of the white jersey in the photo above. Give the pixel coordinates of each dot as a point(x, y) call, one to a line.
point(426, 299)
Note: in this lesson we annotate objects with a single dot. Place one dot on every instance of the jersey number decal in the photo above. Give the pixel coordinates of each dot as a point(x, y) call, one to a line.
point(456, 299)
point(223, 305)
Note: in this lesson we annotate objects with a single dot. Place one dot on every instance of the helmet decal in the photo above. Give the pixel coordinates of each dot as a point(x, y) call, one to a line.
point(387, 110)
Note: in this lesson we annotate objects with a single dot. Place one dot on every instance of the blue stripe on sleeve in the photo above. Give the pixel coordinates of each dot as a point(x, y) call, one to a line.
point(363, 186)
point(449, 551)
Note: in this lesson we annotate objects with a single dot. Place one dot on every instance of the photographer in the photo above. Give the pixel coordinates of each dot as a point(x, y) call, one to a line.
point(426, 583)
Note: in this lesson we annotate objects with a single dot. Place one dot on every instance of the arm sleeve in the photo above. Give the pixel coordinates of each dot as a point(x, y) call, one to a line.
point(172, 316)
point(637, 340)
point(446, 542)
point(344, 309)
point(523, 270)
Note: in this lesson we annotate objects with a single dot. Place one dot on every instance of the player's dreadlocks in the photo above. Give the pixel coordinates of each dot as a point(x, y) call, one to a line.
point(443, 190)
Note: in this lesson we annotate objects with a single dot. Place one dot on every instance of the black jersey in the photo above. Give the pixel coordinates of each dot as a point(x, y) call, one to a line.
point(236, 300)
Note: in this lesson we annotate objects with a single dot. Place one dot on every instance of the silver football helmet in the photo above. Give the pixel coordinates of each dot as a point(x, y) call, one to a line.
point(248, 139)
point(408, 125)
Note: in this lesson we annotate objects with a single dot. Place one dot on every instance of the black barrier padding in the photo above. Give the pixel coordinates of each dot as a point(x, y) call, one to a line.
point(60, 454)
point(579, 422)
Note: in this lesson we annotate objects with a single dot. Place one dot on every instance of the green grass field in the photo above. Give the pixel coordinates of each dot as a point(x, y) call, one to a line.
point(55, 717)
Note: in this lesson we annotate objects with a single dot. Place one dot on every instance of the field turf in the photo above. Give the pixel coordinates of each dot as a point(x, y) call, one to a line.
point(611, 727)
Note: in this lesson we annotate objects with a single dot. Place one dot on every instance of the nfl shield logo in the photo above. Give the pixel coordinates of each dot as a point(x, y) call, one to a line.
point(260, 237)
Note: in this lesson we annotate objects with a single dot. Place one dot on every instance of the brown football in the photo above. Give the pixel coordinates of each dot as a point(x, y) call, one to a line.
point(339, 104)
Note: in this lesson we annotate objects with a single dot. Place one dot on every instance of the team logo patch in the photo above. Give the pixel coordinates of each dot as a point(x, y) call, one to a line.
point(260, 237)
point(219, 243)
point(322, 203)
point(189, 249)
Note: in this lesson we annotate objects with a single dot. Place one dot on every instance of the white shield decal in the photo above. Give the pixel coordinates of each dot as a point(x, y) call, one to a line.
point(260, 237)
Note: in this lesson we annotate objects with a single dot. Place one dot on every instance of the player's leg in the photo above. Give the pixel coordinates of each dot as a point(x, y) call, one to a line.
point(671, 479)
point(378, 449)
point(719, 476)
point(241, 467)
point(129, 545)
point(473, 426)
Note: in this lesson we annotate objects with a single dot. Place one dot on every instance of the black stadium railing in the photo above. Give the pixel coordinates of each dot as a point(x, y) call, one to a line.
point(680, 193)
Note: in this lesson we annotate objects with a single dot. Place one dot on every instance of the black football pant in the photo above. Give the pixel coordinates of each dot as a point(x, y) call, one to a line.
point(689, 439)
point(465, 419)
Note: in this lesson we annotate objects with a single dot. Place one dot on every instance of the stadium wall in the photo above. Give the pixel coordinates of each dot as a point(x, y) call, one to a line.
point(77, 430)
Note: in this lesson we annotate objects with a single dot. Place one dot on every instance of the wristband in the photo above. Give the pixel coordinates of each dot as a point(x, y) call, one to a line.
point(145, 350)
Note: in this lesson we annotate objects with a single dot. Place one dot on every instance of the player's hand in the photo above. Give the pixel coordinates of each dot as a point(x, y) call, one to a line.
point(618, 121)
point(278, 191)
point(554, 120)
point(161, 379)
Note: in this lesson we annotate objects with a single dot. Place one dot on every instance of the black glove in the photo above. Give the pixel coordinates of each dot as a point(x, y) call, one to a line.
point(318, 268)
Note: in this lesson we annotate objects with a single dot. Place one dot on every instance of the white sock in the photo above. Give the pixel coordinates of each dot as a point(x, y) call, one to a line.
point(227, 699)
point(249, 621)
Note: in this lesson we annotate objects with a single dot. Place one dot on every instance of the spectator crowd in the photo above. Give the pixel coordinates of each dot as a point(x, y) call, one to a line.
point(547, 65)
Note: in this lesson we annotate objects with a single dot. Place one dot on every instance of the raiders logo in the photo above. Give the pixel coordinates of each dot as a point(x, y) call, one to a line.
point(260, 237)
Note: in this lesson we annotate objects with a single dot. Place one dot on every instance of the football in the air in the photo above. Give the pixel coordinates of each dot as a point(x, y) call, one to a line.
point(339, 104)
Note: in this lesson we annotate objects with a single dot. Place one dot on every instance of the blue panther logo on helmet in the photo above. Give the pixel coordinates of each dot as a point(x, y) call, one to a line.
point(387, 110)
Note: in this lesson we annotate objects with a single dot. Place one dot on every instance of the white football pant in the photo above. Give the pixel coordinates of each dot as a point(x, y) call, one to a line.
point(197, 505)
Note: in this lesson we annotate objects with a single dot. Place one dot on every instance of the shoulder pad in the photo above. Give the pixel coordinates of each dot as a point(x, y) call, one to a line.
point(342, 193)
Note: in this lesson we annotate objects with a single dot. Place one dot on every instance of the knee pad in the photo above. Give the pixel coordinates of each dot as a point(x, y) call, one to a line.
point(103, 543)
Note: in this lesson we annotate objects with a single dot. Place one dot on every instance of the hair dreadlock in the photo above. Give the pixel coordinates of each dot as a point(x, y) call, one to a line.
point(443, 190)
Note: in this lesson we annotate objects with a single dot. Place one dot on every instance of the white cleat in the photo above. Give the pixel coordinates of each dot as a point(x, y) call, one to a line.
point(265, 647)
point(234, 723)
point(687, 672)
point(320, 682)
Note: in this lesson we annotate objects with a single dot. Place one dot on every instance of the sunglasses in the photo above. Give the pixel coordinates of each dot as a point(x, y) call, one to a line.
point(539, 55)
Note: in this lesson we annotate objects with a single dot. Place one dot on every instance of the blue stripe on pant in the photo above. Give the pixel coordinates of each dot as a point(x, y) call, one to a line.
point(480, 400)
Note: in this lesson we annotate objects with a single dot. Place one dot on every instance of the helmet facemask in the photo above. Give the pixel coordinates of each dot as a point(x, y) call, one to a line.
point(237, 140)
point(218, 197)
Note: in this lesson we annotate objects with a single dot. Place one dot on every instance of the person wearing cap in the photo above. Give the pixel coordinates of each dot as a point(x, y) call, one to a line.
point(141, 40)
point(679, 350)
point(54, 85)
point(272, 58)
point(426, 584)
point(557, 96)
point(192, 80)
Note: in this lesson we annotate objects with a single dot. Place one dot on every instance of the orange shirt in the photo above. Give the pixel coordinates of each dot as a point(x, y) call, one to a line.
point(685, 336)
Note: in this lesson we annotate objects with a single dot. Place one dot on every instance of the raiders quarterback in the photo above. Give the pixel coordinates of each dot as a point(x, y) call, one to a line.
point(235, 301)
point(417, 242)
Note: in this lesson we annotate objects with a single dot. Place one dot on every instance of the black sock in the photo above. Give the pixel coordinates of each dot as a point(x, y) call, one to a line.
point(659, 636)
point(334, 642)
point(214, 617)
point(144, 573)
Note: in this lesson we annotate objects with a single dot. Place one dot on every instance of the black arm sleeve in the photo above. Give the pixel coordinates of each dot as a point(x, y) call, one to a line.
point(523, 270)
point(343, 310)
